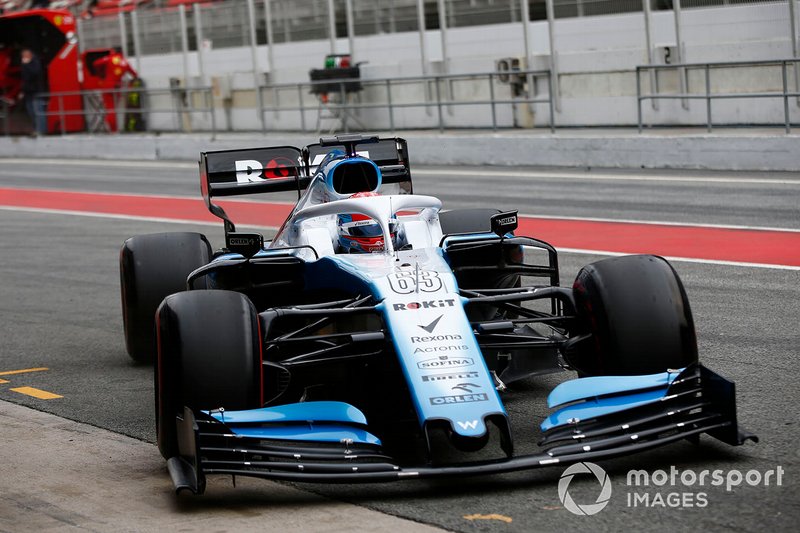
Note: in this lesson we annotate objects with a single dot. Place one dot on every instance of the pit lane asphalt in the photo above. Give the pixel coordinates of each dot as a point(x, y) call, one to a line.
point(59, 308)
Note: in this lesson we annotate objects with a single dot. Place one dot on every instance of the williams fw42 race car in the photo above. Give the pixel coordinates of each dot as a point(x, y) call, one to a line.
point(374, 337)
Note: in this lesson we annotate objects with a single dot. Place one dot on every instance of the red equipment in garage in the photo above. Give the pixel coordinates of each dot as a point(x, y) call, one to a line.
point(105, 68)
point(50, 34)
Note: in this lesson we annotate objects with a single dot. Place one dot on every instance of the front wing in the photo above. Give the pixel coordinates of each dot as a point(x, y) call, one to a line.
point(601, 422)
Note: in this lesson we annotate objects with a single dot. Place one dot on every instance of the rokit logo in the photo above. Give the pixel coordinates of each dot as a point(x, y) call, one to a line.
point(425, 304)
point(435, 338)
point(444, 361)
point(250, 170)
point(462, 398)
point(455, 375)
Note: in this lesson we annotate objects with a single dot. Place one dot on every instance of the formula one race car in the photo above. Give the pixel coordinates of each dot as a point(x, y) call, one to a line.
point(373, 339)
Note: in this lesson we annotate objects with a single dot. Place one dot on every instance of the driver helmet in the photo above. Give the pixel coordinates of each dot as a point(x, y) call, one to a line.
point(361, 234)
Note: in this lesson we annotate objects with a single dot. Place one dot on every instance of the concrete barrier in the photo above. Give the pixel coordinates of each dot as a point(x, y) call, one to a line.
point(761, 150)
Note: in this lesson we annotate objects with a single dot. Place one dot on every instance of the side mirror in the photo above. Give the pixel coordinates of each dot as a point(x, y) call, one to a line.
point(247, 244)
point(503, 223)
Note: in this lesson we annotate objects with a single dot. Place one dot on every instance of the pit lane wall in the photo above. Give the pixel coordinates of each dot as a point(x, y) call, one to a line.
point(749, 150)
point(596, 58)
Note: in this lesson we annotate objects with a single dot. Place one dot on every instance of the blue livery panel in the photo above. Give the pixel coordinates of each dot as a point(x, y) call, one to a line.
point(324, 433)
point(593, 387)
point(295, 412)
point(436, 347)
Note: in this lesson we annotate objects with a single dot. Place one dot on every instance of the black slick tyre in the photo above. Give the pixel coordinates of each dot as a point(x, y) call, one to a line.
point(638, 315)
point(151, 268)
point(209, 356)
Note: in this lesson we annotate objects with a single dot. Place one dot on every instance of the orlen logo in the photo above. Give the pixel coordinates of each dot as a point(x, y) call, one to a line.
point(425, 304)
point(240, 241)
point(461, 398)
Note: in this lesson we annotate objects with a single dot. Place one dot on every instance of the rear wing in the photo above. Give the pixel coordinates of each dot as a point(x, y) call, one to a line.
point(286, 168)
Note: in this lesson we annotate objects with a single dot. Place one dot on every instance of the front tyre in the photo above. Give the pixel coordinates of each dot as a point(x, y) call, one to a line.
point(637, 314)
point(209, 356)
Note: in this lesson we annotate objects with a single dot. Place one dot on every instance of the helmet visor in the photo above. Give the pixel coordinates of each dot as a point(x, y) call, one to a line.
point(369, 230)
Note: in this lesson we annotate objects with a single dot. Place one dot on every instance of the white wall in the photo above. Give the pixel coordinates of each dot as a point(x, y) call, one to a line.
point(597, 57)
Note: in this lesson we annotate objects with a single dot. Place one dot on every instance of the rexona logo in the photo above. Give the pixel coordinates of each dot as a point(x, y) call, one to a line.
point(456, 375)
point(435, 338)
point(444, 361)
point(425, 304)
point(462, 398)
point(446, 348)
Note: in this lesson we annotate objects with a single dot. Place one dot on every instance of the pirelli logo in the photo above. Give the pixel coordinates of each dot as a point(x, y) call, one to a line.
point(446, 377)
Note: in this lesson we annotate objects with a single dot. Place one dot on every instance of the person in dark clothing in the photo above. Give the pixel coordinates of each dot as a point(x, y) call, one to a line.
point(40, 4)
point(33, 83)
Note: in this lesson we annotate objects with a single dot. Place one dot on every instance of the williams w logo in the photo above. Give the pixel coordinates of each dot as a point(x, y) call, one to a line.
point(586, 509)
point(469, 424)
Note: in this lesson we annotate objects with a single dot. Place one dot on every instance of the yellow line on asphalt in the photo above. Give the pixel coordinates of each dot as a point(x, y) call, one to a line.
point(3, 381)
point(23, 371)
point(37, 393)
point(493, 516)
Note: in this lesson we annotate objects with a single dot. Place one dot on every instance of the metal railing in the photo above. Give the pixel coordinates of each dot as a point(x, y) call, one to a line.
point(437, 89)
point(438, 94)
point(184, 104)
point(226, 23)
point(708, 96)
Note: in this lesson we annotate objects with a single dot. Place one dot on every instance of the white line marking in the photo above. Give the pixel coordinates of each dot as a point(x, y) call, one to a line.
point(683, 259)
point(148, 195)
point(217, 224)
point(561, 175)
point(126, 217)
point(99, 163)
point(662, 223)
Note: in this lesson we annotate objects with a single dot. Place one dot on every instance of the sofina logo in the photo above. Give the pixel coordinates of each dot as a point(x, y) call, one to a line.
point(589, 508)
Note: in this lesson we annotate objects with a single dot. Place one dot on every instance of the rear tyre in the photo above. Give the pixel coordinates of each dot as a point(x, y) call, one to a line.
point(637, 312)
point(209, 356)
point(151, 268)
